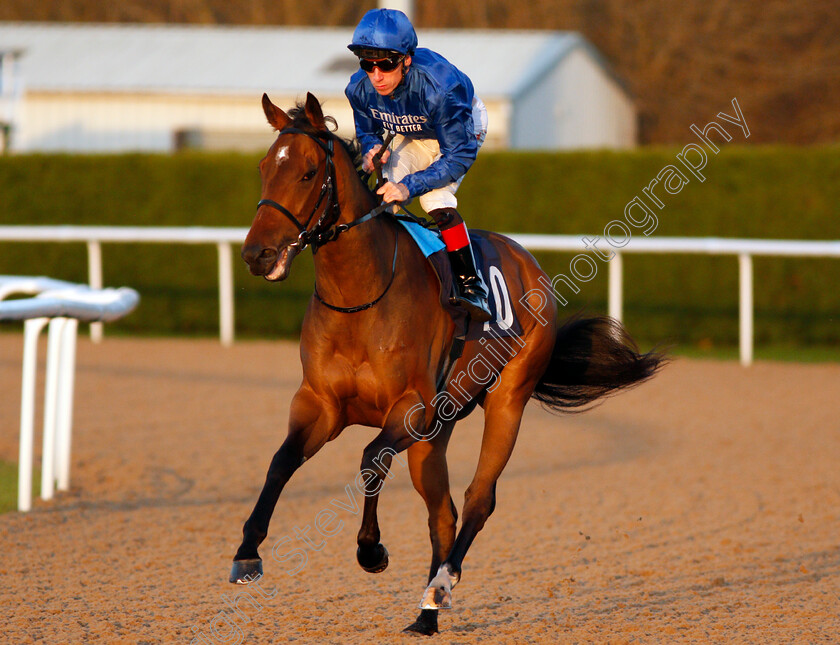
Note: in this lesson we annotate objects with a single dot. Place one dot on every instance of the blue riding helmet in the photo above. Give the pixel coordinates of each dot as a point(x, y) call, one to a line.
point(383, 30)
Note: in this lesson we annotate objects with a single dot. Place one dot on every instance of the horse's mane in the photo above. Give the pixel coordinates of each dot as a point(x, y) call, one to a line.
point(353, 148)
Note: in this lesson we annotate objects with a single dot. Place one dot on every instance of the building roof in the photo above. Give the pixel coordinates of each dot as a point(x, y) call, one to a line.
point(280, 60)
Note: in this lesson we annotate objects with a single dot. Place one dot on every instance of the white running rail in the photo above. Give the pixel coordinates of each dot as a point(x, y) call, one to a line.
point(61, 305)
point(94, 236)
point(223, 238)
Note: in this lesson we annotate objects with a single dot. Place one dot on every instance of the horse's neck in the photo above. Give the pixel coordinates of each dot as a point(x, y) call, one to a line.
point(356, 267)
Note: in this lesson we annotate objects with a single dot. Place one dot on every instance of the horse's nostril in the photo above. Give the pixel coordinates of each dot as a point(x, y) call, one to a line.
point(253, 254)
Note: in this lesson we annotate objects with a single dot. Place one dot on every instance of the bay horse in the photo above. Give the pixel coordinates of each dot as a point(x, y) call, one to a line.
point(376, 351)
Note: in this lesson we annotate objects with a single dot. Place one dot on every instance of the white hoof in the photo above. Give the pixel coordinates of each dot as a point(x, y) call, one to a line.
point(438, 594)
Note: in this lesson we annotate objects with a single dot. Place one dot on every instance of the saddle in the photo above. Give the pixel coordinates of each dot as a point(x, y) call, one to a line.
point(488, 263)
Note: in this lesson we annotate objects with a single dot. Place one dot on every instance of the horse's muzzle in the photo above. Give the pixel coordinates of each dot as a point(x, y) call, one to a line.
point(271, 263)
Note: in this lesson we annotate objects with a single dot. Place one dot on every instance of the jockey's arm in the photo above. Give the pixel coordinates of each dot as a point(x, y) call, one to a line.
point(453, 125)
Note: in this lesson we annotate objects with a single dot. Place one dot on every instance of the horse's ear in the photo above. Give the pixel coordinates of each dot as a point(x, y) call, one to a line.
point(314, 113)
point(276, 117)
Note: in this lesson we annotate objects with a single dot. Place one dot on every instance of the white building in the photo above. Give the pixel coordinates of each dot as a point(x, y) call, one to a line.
point(108, 88)
point(11, 93)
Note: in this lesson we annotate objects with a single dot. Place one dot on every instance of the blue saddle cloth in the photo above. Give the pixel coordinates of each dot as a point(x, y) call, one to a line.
point(429, 241)
point(488, 263)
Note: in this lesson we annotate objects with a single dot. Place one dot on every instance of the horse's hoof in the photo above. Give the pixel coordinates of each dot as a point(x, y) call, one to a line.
point(438, 594)
point(436, 598)
point(425, 625)
point(373, 560)
point(245, 572)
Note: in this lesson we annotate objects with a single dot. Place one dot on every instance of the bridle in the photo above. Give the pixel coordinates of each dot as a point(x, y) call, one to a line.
point(323, 230)
point(326, 228)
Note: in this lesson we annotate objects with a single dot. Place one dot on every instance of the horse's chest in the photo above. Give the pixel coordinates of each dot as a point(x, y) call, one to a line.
point(376, 385)
point(366, 390)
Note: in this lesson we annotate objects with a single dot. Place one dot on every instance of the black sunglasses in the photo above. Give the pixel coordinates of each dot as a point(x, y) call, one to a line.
point(388, 64)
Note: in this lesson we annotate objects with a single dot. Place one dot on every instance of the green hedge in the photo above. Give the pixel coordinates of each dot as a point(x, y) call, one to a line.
point(784, 193)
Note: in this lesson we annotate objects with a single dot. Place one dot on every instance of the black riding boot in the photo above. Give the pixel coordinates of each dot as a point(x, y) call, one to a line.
point(472, 294)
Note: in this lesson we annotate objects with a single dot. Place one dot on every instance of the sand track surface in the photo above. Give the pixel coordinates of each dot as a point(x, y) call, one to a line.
point(702, 507)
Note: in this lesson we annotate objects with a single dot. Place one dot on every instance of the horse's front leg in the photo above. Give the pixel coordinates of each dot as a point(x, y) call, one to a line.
point(312, 422)
point(375, 468)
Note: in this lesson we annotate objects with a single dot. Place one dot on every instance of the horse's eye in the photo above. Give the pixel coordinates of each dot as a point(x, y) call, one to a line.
point(309, 175)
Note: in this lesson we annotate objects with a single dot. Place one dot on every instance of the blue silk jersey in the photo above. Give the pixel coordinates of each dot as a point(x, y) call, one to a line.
point(434, 101)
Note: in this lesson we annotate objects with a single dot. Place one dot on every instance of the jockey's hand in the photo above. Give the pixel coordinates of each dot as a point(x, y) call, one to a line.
point(392, 192)
point(367, 161)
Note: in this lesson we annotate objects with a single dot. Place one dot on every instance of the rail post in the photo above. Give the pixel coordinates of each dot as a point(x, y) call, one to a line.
point(226, 315)
point(32, 329)
point(52, 407)
point(64, 404)
point(94, 248)
point(745, 300)
point(616, 287)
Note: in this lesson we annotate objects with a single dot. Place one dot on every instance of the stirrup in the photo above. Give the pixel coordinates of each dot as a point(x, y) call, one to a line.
point(475, 306)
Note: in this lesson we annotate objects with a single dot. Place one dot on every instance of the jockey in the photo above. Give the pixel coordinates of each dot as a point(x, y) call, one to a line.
point(439, 125)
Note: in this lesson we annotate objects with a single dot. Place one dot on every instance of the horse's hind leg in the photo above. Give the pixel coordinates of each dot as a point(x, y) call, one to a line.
point(430, 476)
point(311, 424)
point(376, 465)
point(502, 416)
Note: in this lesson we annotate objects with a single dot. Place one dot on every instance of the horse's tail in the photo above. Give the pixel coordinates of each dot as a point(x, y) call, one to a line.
point(593, 357)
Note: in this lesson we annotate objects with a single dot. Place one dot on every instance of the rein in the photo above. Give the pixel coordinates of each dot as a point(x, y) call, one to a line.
point(353, 310)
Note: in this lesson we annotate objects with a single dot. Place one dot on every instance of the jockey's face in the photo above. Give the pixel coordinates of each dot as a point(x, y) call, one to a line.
point(386, 82)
